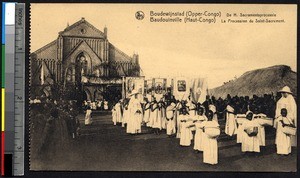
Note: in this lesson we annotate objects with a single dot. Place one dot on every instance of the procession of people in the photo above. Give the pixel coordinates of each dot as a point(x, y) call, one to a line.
point(198, 123)
point(192, 124)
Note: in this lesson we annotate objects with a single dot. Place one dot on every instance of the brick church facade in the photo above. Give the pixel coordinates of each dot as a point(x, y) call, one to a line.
point(83, 57)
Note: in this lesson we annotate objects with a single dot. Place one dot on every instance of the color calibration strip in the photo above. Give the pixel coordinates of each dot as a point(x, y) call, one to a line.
point(12, 89)
point(2, 90)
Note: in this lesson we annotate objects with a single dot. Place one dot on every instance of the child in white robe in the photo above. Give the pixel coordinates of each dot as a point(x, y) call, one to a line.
point(185, 131)
point(250, 143)
point(198, 141)
point(210, 145)
point(283, 141)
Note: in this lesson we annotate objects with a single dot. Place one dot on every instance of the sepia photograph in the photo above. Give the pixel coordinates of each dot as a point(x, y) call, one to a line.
point(163, 87)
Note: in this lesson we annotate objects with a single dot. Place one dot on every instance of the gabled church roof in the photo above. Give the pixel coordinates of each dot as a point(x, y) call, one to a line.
point(82, 28)
point(83, 42)
point(48, 51)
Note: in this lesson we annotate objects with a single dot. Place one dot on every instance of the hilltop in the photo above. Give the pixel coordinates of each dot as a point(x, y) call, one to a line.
point(260, 81)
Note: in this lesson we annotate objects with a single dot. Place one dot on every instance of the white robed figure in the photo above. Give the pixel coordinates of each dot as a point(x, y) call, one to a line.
point(153, 112)
point(118, 112)
point(114, 115)
point(210, 144)
point(192, 112)
point(135, 114)
point(147, 109)
point(192, 108)
point(125, 115)
point(88, 115)
point(163, 116)
point(157, 122)
point(287, 101)
point(240, 118)
point(261, 128)
point(283, 140)
point(213, 108)
point(230, 126)
point(185, 131)
point(178, 122)
point(170, 117)
point(199, 135)
point(250, 142)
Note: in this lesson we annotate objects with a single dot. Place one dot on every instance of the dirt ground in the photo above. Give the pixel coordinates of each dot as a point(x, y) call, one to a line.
point(104, 147)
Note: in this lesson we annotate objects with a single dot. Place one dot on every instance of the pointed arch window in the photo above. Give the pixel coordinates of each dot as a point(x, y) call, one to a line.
point(84, 65)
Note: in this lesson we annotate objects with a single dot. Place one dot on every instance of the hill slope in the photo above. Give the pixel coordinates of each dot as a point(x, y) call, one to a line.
point(259, 82)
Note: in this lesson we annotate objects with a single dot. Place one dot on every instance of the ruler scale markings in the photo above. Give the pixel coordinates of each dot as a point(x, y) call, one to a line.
point(9, 86)
point(19, 96)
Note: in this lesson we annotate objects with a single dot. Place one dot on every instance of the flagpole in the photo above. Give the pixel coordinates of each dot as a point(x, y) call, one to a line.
point(42, 74)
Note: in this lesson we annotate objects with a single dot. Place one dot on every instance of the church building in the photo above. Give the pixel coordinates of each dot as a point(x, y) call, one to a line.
point(82, 57)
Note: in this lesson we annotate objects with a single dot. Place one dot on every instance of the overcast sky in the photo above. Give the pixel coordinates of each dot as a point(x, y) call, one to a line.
point(215, 51)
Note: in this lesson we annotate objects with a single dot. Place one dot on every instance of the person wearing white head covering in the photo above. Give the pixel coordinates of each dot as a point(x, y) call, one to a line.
point(157, 122)
point(250, 142)
point(214, 110)
point(192, 112)
point(210, 144)
point(179, 106)
point(199, 135)
point(163, 114)
point(118, 112)
point(88, 116)
point(135, 114)
point(191, 108)
point(153, 112)
point(185, 131)
point(114, 115)
point(287, 101)
point(230, 126)
point(170, 119)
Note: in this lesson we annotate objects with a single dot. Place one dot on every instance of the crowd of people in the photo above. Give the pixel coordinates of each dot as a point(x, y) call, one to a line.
point(189, 121)
point(55, 122)
point(100, 105)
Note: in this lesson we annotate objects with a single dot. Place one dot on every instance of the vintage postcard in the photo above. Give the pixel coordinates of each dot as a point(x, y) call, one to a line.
point(163, 87)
